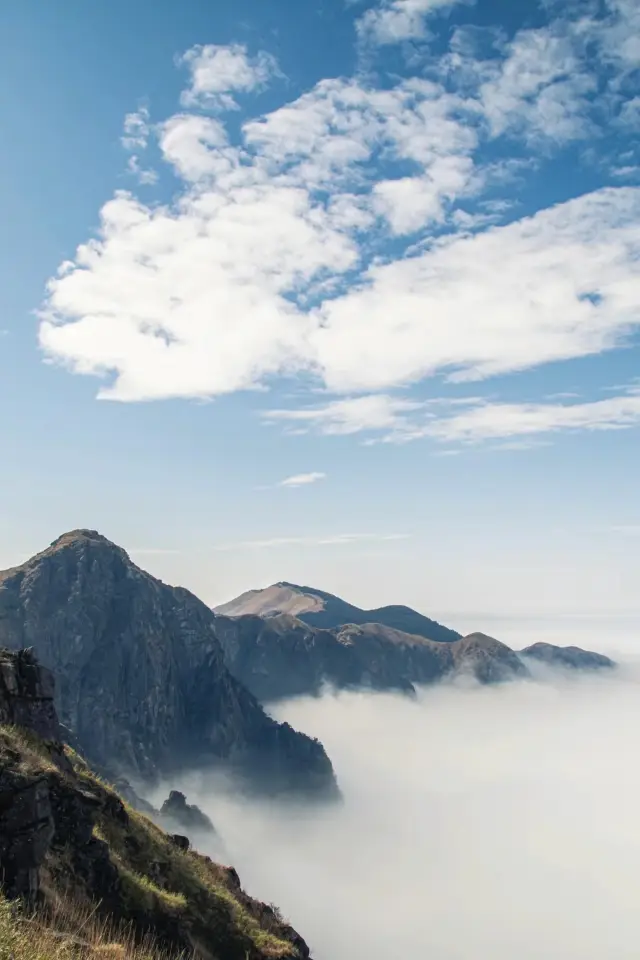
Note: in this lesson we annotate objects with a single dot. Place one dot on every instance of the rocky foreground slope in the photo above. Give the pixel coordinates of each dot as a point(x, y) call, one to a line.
point(100, 875)
point(142, 680)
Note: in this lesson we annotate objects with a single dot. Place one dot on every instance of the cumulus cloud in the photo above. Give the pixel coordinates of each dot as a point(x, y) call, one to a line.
point(217, 72)
point(302, 479)
point(494, 823)
point(331, 239)
point(396, 20)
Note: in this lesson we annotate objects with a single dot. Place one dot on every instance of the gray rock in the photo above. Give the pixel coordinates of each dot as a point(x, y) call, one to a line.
point(189, 816)
point(573, 658)
point(142, 681)
point(280, 656)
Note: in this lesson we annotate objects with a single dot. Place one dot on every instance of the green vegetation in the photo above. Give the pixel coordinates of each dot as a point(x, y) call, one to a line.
point(184, 897)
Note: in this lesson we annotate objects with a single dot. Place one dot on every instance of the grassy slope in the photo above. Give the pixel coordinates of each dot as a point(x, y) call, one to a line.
point(185, 898)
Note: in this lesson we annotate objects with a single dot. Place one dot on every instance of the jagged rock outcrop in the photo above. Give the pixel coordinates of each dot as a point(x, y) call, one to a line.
point(176, 810)
point(142, 681)
point(573, 658)
point(320, 609)
point(66, 836)
point(280, 656)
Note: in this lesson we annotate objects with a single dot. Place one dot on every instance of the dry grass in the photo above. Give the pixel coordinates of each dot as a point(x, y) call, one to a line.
point(67, 933)
point(34, 753)
point(157, 880)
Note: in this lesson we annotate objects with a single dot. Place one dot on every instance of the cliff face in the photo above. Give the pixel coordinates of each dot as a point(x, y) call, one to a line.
point(68, 841)
point(141, 675)
point(280, 656)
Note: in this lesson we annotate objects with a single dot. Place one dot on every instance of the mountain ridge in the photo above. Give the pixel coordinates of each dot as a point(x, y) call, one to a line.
point(142, 679)
point(325, 610)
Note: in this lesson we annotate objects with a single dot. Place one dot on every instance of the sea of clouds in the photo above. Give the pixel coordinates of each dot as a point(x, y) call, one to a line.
point(477, 824)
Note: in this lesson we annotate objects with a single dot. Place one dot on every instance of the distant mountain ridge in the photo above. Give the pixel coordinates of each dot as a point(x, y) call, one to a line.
point(288, 640)
point(320, 609)
point(142, 680)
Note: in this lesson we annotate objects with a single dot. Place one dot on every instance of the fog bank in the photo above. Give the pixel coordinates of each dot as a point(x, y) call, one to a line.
point(478, 824)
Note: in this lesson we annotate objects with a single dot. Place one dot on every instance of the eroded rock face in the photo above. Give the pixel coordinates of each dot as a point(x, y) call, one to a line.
point(189, 816)
point(141, 677)
point(27, 694)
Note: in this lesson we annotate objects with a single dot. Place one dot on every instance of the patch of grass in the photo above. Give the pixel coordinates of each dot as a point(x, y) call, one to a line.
point(35, 753)
point(203, 884)
point(66, 934)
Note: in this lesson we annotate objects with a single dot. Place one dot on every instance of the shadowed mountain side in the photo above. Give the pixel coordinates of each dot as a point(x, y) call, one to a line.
point(280, 656)
point(320, 609)
point(142, 681)
point(573, 658)
point(98, 878)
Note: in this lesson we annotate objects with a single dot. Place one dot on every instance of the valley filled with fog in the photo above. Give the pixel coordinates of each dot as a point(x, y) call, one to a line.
point(477, 823)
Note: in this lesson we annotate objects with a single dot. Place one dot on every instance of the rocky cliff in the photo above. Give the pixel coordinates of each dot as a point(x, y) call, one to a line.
point(71, 848)
point(280, 656)
point(142, 681)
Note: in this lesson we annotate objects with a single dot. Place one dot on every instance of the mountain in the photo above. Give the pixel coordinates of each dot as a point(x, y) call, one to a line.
point(281, 656)
point(142, 681)
point(575, 658)
point(319, 609)
point(95, 877)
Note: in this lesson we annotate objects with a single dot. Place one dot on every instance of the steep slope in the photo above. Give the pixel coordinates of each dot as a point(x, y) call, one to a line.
point(96, 869)
point(142, 681)
point(281, 656)
point(573, 658)
point(320, 609)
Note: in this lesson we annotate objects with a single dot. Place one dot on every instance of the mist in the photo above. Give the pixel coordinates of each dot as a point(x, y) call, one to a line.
point(477, 824)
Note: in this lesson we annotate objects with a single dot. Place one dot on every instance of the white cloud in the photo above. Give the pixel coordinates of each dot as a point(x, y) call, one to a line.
point(354, 415)
point(496, 421)
point(328, 540)
point(302, 479)
point(216, 72)
point(540, 89)
point(275, 258)
point(145, 176)
point(136, 130)
point(397, 20)
point(561, 284)
point(194, 146)
point(477, 823)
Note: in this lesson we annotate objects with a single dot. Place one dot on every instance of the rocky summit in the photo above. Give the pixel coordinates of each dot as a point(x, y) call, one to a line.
point(320, 609)
point(142, 681)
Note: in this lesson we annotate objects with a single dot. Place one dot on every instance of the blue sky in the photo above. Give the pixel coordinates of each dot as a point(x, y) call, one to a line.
point(339, 293)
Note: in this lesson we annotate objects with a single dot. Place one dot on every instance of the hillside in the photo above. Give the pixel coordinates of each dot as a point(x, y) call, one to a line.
point(319, 609)
point(281, 656)
point(142, 681)
point(102, 878)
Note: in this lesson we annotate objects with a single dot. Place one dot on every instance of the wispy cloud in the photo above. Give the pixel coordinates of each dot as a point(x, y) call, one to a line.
point(302, 479)
point(330, 540)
